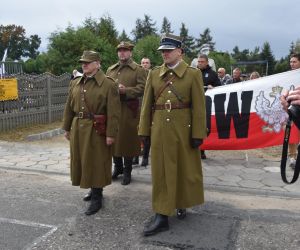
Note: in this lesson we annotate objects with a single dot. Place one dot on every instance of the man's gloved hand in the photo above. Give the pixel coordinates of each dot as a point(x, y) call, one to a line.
point(195, 143)
point(145, 139)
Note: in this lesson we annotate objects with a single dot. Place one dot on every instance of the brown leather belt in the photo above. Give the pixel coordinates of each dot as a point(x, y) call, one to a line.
point(169, 106)
point(84, 115)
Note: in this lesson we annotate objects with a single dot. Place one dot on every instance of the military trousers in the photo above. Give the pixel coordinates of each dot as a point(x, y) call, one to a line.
point(122, 161)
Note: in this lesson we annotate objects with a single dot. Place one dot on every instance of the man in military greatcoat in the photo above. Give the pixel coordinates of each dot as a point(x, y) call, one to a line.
point(173, 115)
point(92, 98)
point(131, 78)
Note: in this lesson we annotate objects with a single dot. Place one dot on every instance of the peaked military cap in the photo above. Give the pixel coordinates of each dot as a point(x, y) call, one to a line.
point(125, 45)
point(89, 56)
point(170, 42)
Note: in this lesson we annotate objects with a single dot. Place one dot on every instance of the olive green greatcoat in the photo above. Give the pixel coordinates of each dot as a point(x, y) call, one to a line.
point(176, 167)
point(90, 156)
point(133, 77)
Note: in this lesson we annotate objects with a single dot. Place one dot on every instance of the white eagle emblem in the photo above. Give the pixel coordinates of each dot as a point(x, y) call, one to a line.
point(273, 114)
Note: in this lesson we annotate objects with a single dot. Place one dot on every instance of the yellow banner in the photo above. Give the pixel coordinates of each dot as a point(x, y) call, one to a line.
point(8, 89)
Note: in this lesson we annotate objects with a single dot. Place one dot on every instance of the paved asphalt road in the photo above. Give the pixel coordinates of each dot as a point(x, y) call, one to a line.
point(247, 206)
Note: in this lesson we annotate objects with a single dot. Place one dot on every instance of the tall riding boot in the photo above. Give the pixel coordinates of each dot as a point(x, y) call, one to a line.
point(135, 160)
point(203, 155)
point(127, 171)
point(146, 154)
point(96, 201)
point(159, 224)
point(118, 167)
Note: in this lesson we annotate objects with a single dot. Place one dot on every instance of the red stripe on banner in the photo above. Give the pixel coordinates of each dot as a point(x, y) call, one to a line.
point(257, 136)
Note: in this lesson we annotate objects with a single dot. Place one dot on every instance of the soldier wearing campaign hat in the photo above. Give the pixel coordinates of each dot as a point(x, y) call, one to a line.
point(131, 78)
point(91, 94)
point(173, 115)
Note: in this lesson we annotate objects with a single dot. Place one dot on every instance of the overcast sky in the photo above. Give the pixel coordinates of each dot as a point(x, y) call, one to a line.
point(232, 22)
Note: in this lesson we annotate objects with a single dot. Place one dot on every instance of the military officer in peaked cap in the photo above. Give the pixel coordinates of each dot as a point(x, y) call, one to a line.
point(174, 91)
point(131, 78)
point(91, 94)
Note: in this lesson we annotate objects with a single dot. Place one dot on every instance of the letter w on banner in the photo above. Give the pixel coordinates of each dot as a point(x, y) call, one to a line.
point(249, 114)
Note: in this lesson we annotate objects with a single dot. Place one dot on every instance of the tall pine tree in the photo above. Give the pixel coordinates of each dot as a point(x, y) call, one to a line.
point(123, 36)
point(266, 54)
point(188, 42)
point(205, 38)
point(166, 26)
point(144, 28)
point(104, 28)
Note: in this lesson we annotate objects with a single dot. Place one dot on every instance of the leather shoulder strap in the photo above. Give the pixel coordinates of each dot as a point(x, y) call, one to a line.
point(167, 83)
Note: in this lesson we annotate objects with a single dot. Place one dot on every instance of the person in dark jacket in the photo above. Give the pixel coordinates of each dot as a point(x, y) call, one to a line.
point(236, 75)
point(210, 79)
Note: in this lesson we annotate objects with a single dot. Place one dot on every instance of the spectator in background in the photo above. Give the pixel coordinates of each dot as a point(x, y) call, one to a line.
point(75, 73)
point(146, 63)
point(210, 80)
point(223, 77)
point(254, 75)
point(236, 75)
point(294, 64)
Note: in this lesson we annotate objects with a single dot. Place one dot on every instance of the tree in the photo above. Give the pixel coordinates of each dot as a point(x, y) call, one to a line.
point(123, 36)
point(266, 54)
point(240, 55)
point(33, 43)
point(222, 59)
point(105, 28)
point(292, 48)
point(297, 46)
point(205, 38)
point(166, 26)
point(66, 47)
point(13, 37)
point(147, 47)
point(144, 28)
point(188, 42)
point(282, 65)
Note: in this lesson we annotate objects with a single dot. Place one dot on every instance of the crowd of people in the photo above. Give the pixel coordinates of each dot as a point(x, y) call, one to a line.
point(110, 116)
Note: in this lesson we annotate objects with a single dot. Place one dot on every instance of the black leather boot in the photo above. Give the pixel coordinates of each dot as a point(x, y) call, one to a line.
point(127, 170)
point(181, 213)
point(88, 196)
point(203, 155)
point(135, 160)
point(146, 153)
point(96, 201)
point(118, 167)
point(127, 175)
point(159, 224)
point(117, 171)
point(144, 162)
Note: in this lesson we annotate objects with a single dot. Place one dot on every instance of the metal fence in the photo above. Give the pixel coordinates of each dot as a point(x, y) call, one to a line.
point(41, 100)
point(9, 68)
